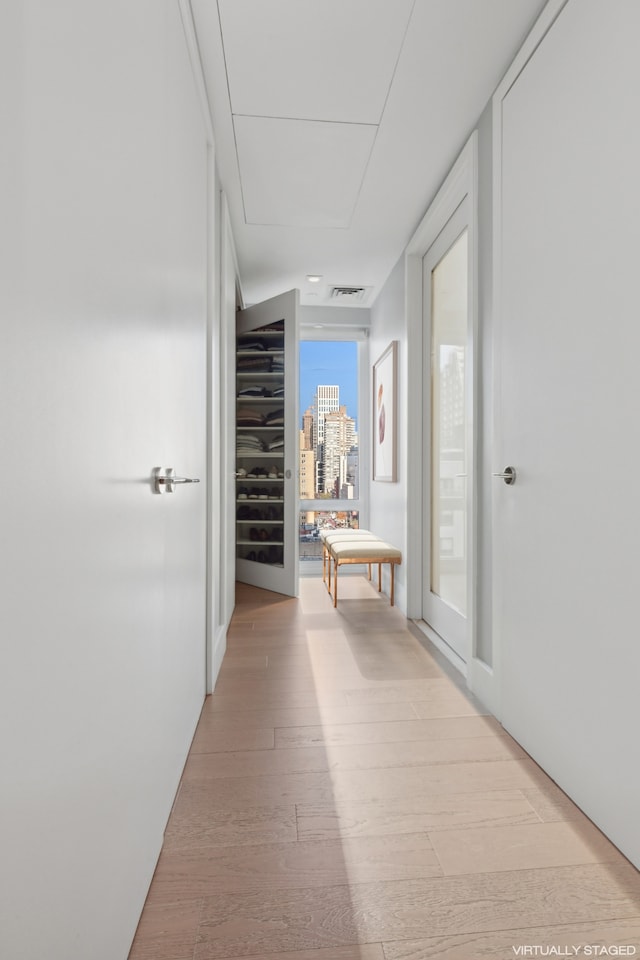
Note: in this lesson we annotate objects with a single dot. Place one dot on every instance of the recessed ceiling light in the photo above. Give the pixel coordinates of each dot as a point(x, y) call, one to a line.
point(314, 278)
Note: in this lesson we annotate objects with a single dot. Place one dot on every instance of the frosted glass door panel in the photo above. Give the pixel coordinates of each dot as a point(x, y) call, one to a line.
point(449, 454)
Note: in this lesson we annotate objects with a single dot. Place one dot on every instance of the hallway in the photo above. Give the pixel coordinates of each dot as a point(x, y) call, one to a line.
point(345, 799)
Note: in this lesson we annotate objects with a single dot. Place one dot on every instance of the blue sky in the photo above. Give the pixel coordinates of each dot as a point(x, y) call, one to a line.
point(329, 362)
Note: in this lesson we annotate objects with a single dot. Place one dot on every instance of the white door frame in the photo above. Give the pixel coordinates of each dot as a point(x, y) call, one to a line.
point(221, 263)
point(461, 183)
point(453, 627)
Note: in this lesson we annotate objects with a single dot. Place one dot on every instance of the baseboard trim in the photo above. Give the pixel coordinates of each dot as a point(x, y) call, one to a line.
point(218, 652)
point(442, 646)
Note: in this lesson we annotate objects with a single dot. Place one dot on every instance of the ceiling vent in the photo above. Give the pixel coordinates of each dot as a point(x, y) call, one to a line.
point(346, 295)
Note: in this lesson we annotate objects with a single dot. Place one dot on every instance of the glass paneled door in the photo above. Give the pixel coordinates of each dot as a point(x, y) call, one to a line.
point(448, 436)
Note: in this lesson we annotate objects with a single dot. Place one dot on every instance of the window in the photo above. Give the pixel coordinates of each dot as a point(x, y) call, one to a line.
point(330, 440)
point(329, 447)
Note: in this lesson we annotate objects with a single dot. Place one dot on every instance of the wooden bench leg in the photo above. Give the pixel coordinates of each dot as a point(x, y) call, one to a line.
point(335, 583)
point(369, 565)
point(324, 563)
point(379, 578)
point(329, 574)
point(391, 592)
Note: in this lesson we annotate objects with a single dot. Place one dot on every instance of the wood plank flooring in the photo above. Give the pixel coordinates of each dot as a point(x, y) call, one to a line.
point(346, 799)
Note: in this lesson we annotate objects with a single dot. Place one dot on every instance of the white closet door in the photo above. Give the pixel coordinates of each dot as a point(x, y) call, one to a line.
point(567, 531)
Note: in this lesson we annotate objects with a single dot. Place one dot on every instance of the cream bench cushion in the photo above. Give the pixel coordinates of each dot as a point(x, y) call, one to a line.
point(365, 549)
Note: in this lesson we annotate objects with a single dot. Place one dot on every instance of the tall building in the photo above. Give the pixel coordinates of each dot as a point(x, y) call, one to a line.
point(339, 440)
point(327, 400)
point(308, 430)
point(307, 459)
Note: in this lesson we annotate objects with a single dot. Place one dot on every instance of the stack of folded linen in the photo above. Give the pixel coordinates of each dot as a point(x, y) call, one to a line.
point(248, 443)
point(250, 346)
point(254, 390)
point(275, 418)
point(254, 364)
point(276, 445)
point(248, 417)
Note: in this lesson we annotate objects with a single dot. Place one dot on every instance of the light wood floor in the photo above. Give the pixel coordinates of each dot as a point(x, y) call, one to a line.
point(345, 799)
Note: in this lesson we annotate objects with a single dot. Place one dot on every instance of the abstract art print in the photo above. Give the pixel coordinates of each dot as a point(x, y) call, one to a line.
point(385, 372)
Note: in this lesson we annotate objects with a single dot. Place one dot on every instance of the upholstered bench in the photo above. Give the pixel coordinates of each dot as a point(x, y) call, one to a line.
point(365, 549)
point(337, 536)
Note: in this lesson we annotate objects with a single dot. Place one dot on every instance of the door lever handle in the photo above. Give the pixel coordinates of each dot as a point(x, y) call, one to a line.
point(171, 480)
point(508, 475)
point(167, 480)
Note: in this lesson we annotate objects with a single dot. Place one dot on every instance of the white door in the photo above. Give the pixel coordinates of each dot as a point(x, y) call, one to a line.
point(102, 378)
point(267, 445)
point(567, 531)
point(448, 444)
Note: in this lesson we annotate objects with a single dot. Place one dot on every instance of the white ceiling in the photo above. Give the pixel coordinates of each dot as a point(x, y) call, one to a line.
point(337, 120)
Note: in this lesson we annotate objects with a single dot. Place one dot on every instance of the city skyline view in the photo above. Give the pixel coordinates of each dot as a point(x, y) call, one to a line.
point(332, 362)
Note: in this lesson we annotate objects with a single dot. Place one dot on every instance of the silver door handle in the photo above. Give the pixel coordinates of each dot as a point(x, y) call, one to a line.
point(172, 480)
point(167, 480)
point(508, 475)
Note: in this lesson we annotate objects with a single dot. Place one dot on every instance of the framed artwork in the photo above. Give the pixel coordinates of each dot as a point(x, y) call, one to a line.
point(385, 375)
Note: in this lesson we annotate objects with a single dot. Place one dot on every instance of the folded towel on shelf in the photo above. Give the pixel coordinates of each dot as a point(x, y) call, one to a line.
point(254, 390)
point(250, 417)
point(252, 364)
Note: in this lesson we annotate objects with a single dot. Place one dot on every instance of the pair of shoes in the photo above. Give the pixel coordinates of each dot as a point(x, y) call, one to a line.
point(251, 555)
point(255, 534)
point(262, 557)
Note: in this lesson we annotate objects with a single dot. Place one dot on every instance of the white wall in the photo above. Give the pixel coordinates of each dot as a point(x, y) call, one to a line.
point(389, 514)
point(102, 373)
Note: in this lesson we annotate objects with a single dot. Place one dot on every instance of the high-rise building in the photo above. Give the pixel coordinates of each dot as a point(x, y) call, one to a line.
point(308, 430)
point(339, 440)
point(327, 400)
point(307, 460)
